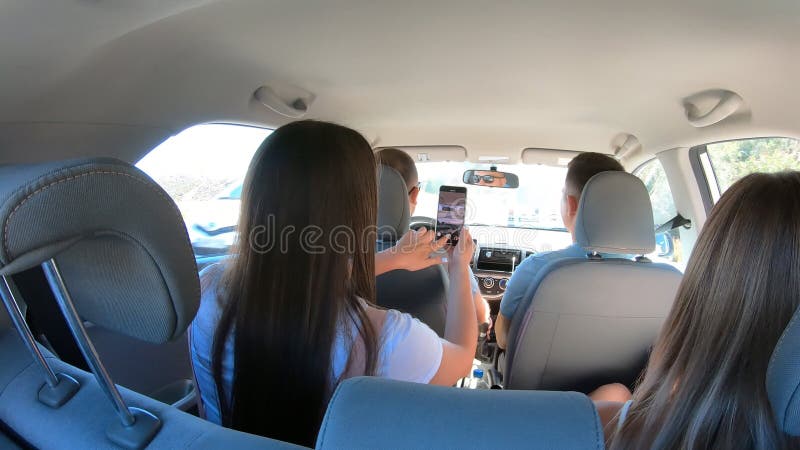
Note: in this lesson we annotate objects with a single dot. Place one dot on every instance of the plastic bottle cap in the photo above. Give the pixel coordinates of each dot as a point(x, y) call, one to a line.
point(477, 373)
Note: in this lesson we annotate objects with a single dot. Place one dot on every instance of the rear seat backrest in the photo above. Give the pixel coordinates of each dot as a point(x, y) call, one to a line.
point(589, 321)
point(370, 413)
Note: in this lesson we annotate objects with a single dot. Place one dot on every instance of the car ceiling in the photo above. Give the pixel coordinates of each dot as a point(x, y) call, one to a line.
point(114, 77)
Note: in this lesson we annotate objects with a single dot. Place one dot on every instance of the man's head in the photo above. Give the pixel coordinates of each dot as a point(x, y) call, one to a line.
point(579, 171)
point(404, 164)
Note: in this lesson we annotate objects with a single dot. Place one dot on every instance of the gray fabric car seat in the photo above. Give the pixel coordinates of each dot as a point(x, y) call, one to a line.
point(81, 422)
point(783, 378)
point(589, 321)
point(6, 441)
point(423, 293)
point(5, 321)
point(370, 413)
point(115, 253)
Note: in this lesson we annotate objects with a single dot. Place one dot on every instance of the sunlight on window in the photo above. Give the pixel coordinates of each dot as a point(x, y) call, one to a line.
point(668, 243)
point(197, 163)
point(202, 169)
point(732, 160)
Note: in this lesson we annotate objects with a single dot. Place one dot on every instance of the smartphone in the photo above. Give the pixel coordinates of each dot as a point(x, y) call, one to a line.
point(451, 212)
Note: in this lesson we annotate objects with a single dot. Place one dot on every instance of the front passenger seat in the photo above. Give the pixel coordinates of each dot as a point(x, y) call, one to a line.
point(423, 293)
point(585, 322)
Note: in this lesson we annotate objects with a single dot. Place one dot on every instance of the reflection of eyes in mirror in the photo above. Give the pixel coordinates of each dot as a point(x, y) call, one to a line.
point(488, 178)
point(491, 178)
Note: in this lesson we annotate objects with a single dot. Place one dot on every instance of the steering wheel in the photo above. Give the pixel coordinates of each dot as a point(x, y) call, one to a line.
point(417, 222)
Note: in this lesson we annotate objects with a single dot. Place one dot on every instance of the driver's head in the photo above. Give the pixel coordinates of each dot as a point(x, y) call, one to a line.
point(579, 171)
point(404, 164)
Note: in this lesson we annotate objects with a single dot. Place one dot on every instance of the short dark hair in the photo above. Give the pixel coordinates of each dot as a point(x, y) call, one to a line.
point(401, 162)
point(585, 166)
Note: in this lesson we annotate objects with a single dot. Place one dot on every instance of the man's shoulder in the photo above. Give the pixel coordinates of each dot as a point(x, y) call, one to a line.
point(573, 251)
point(534, 263)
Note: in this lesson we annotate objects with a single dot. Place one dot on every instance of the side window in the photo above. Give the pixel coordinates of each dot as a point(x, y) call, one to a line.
point(202, 169)
point(726, 162)
point(668, 243)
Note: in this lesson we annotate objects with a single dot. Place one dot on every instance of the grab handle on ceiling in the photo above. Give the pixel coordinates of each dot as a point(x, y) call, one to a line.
point(729, 103)
point(294, 109)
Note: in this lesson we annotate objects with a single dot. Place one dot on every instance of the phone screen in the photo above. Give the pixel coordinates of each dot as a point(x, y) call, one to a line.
point(451, 211)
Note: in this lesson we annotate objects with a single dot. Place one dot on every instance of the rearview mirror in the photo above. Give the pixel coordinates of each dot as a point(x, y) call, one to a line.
point(491, 178)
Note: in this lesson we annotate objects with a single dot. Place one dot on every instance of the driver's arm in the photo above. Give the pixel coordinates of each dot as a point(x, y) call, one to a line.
point(501, 330)
point(481, 308)
point(515, 291)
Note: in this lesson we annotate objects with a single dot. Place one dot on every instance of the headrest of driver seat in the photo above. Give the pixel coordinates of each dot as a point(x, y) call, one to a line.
point(393, 209)
point(118, 239)
point(615, 215)
point(783, 378)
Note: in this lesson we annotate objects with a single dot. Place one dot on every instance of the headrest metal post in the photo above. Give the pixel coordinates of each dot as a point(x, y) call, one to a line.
point(67, 308)
point(58, 389)
point(7, 290)
point(137, 427)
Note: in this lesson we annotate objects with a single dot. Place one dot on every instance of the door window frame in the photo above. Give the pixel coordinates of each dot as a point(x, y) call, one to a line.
point(704, 169)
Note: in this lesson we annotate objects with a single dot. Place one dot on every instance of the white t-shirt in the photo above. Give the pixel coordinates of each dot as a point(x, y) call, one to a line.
point(408, 349)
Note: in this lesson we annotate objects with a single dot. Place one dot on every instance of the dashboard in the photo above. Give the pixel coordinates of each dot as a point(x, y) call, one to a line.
point(493, 267)
point(500, 250)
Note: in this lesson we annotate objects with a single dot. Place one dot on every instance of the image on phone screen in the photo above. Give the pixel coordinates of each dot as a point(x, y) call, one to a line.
point(451, 212)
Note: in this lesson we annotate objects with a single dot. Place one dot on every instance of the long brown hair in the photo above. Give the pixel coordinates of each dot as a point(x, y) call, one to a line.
point(303, 260)
point(705, 386)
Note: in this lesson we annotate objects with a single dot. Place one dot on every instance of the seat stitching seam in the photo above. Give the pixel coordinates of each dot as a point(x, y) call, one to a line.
point(549, 350)
point(196, 438)
point(330, 408)
point(70, 178)
point(598, 436)
point(783, 338)
point(770, 366)
point(3, 391)
point(786, 420)
point(149, 185)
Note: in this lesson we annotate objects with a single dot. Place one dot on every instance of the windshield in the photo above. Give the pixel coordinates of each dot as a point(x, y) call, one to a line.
point(535, 204)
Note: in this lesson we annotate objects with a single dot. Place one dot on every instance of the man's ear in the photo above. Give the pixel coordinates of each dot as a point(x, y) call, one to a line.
point(572, 204)
point(412, 196)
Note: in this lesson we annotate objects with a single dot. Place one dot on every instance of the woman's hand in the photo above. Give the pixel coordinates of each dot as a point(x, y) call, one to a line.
point(460, 332)
point(414, 251)
point(462, 253)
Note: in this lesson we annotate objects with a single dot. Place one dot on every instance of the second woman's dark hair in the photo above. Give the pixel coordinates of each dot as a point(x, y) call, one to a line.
point(303, 259)
point(705, 385)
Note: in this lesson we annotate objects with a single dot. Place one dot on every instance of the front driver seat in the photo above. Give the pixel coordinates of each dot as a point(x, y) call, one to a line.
point(423, 293)
point(585, 322)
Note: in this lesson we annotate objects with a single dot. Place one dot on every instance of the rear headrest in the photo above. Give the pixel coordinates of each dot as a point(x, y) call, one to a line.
point(117, 237)
point(615, 215)
point(368, 413)
point(783, 378)
point(393, 209)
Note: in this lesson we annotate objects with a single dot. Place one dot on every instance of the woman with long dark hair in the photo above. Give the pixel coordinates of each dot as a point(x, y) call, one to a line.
point(289, 315)
point(705, 385)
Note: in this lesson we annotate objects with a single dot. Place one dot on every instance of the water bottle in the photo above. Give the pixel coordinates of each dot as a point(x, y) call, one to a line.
point(478, 380)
